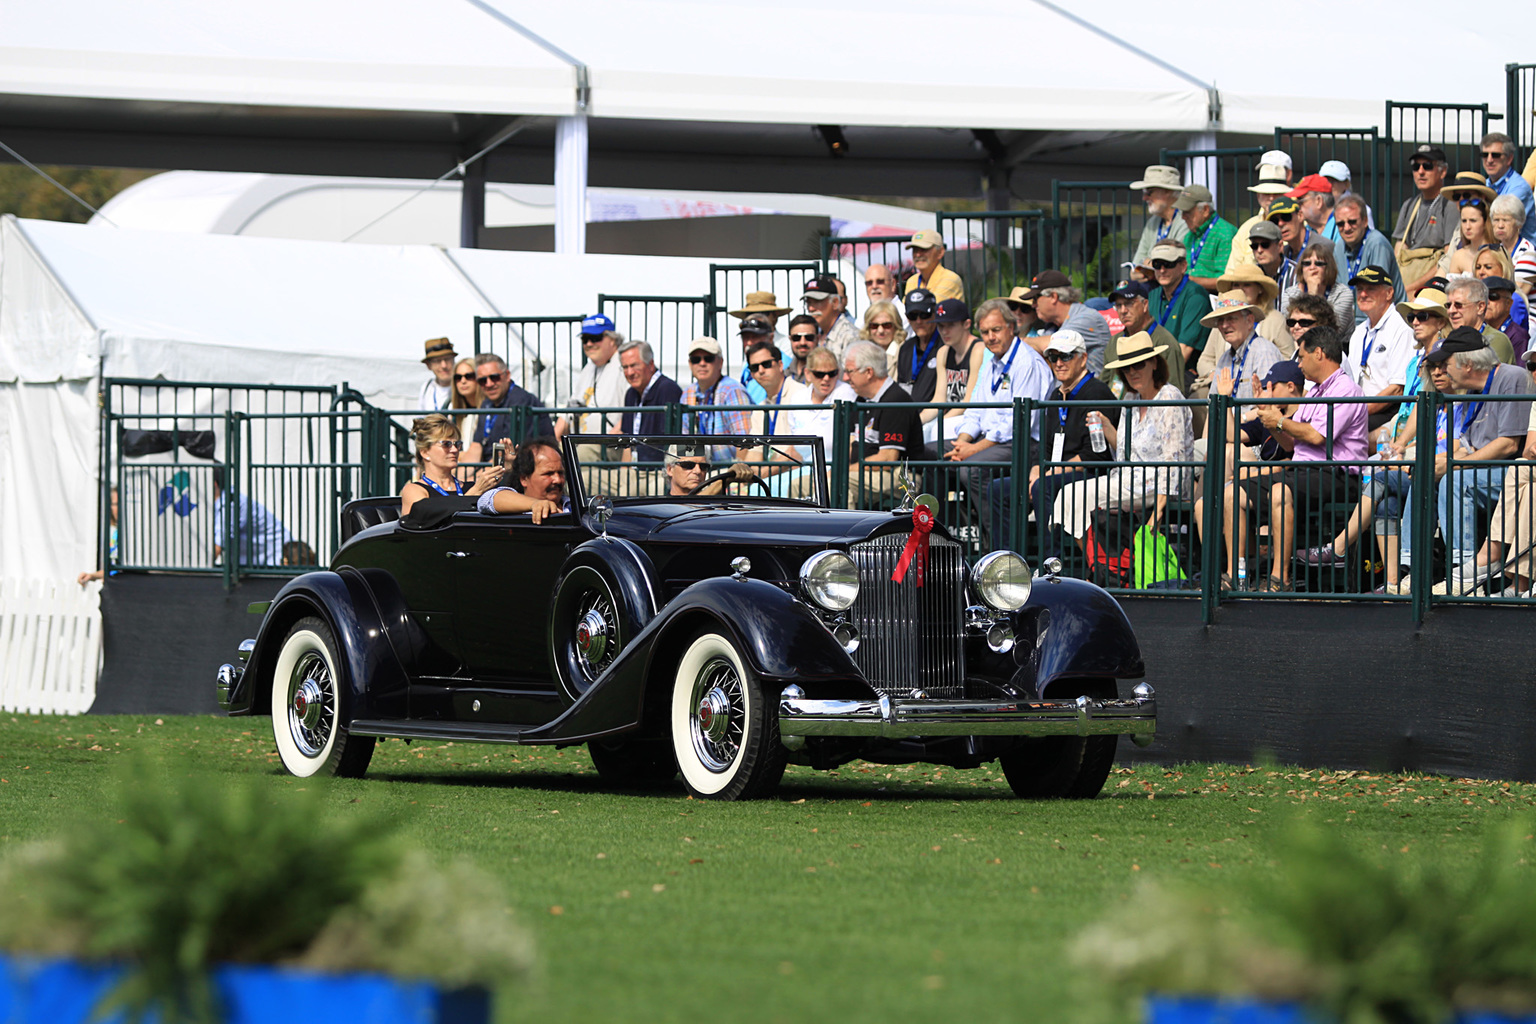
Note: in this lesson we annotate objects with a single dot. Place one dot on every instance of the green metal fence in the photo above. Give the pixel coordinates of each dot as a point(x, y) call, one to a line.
point(996, 250)
point(1226, 172)
point(543, 352)
point(1359, 148)
point(850, 257)
point(1456, 128)
point(667, 322)
point(731, 283)
point(1095, 226)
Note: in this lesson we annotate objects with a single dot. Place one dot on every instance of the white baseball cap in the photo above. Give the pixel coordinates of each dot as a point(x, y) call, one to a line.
point(1338, 170)
point(1067, 342)
point(1277, 158)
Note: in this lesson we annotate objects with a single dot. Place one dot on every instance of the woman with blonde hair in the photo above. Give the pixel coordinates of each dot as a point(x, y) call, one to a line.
point(437, 442)
point(466, 393)
point(884, 326)
point(1471, 192)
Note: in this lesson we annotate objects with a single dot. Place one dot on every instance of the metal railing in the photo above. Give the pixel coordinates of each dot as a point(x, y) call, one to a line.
point(1456, 128)
point(1520, 108)
point(667, 322)
point(1309, 148)
point(850, 257)
point(543, 352)
point(731, 283)
point(995, 250)
point(1095, 227)
point(1226, 172)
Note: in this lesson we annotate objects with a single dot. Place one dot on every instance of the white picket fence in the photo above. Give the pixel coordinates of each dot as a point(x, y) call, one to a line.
point(50, 645)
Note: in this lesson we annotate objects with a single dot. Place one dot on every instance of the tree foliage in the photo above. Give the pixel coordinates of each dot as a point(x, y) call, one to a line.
point(27, 194)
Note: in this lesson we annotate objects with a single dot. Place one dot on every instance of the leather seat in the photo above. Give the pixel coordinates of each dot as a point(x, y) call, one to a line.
point(358, 515)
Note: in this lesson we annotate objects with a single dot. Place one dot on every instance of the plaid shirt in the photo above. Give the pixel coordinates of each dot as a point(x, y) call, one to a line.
point(723, 421)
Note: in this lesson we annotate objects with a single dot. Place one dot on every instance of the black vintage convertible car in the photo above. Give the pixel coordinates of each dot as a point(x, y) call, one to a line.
point(720, 635)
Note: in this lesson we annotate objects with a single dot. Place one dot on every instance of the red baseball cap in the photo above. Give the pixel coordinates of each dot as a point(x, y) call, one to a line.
point(1311, 183)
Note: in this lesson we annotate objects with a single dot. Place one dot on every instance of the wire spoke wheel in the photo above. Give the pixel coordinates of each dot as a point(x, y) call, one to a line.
point(311, 705)
point(725, 733)
point(717, 721)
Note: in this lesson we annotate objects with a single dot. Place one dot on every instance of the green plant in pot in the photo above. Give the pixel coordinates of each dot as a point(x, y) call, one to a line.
point(201, 872)
point(1353, 936)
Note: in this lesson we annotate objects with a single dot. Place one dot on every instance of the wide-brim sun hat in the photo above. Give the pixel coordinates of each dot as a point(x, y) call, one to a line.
point(1431, 299)
point(1234, 301)
point(1135, 349)
point(1249, 273)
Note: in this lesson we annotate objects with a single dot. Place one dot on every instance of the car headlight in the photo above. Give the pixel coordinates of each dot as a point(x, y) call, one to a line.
point(1002, 580)
point(830, 580)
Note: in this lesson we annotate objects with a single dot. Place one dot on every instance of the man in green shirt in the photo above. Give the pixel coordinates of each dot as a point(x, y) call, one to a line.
point(1178, 303)
point(1210, 238)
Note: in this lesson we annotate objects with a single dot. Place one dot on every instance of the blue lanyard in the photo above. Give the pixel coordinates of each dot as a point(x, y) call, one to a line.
point(701, 420)
point(1354, 262)
point(918, 364)
point(458, 488)
point(1162, 320)
point(1062, 412)
point(1163, 229)
point(1370, 343)
point(999, 381)
point(774, 416)
point(1194, 252)
point(1237, 376)
point(1472, 410)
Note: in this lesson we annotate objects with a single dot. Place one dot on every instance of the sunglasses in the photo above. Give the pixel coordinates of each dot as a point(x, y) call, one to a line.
point(1347, 223)
point(1418, 316)
point(1297, 321)
point(691, 467)
point(1140, 364)
point(1283, 218)
point(1493, 154)
point(882, 326)
point(802, 337)
point(1165, 264)
point(1059, 357)
point(1260, 243)
point(1453, 304)
point(591, 339)
point(463, 376)
point(824, 374)
point(1417, 167)
point(700, 357)
point(1317, 263)
point(919, 316)
point(760, 367)
point(1472, 201)
point(490, 378)
point(451, 446)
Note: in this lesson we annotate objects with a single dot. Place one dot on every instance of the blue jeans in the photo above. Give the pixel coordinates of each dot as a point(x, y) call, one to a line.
point(1467, 496)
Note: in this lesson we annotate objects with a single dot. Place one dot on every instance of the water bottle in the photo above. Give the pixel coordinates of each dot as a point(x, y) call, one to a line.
point(1383, 448)
point(1096, 433)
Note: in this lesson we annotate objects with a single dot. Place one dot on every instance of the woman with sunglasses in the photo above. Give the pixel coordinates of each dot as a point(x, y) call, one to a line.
point(1308, 311)
point(1473, 198)
point(1491, 264)
point(1317, 273)
point(437, 462)
point(466, 393)
point(884, 326)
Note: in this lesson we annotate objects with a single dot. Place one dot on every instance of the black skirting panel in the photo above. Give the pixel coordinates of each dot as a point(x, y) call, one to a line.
point(1320, 684)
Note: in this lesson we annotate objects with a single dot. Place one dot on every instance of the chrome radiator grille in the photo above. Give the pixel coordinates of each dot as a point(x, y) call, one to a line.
point(911, 637)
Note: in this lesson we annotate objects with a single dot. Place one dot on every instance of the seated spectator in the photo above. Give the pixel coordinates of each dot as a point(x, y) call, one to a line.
point(1016, 371)
point(259, 535)
point(1246, 481)
point(1478, 432)
point(1468, 306)
point(922, 360)
point(1508, 219)
point(1258, 290)
point(1511, 319)
point(599, 384)
point(1317, 273)
point(1246, 355)
point(1510, 549)
point(880, 286)
point(766, 364)
point(1274, 180)
point(1385, 489)
point(1336, 173)
point(932, 276)
point(1060, 305)
point(1427, 222)
point(826, 387)
point(883, 326)
point(1307, 312)
point(888, 435)
point(1135, 312)
point(1064, 433)
point(1154, 432)
point(710, 387)
point(1381, 346)
point(538, 473)
point(753, 329)
point(1498, 153)
point(824, 301)
point(647, 387)
point(964, 360)
point(500, 393)
point(1295, 235)
point(437, 462)
point(1031, 328)
point(1267, 252)
point(1473, 199)
point(1160, 188)
point(296, 552)
point(804, 335)
point(1314, 194)
point(1178, 303)
point(1360, 246)
point(96, 575)
point(1316, 434)
point(466, 395)
point(438, 389)
point(1210, 237)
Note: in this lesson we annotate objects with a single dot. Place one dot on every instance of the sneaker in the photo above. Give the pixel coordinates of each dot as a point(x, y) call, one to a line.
point(1323, 556)
point(1471, 574)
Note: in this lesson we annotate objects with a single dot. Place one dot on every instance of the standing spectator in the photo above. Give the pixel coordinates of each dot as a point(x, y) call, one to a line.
point(1315, 434)
point(259, 535)
point(466, 394)
point(1468, 306)
point(1382, 344)
point(763, 304)
point(1427, 222)
point(880, 284)
point(932, 276)
point(1064, 434)
point(804, 335)
point(1501, 297)
point(766, 363)
point(1135, 312)
point(1159, 187)
point(1317, 273)
point(1476, 226)
point(599, 383)
point(1016, 371)
point(1178, 303)
point(1246, 355)
point(1060, 305)
point(1479, 432)
point(501, 393)
point(1498, 153)
point(1274, 181)
point(647, 387)
point(1508, 219)
point(883, 326)
point(1209, 239)
point(754, 329)
point(1360, 246)
point(438, 391)
point(1337, 174)
point(889, 435)
point(824, 301)
point(710, 386)
point(1315, 194)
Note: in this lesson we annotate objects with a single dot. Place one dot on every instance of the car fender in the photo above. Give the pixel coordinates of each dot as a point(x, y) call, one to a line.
point(629, 572)
point(362, 607)
point(780, 638)
point(1072, 630)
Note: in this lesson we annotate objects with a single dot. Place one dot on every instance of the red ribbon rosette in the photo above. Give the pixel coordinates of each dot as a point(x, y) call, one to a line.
point(917, 545)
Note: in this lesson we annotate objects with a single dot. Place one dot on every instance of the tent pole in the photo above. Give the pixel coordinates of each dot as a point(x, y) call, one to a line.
point(1201, 170)
point(472, 205)
point(571, 185)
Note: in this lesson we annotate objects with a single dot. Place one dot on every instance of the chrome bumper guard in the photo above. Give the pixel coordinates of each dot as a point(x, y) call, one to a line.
point(227, 681)
point(800, 716)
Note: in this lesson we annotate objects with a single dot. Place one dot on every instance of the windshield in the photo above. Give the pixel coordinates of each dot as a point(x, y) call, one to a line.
point(690, 467)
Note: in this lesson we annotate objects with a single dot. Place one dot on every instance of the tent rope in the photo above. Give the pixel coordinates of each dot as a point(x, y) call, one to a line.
point(50, 179)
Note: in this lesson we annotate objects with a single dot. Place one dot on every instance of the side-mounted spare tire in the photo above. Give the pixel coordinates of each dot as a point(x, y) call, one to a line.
point(601, 601)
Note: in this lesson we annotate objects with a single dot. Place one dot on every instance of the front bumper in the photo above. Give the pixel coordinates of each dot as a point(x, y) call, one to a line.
point(801, 716)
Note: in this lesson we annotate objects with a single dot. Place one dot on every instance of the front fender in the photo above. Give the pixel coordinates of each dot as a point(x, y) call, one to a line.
point(1077, 631)
point(362, 607)
point(780, 638)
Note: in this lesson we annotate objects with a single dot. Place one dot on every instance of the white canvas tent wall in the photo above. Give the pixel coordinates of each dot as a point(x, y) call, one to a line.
point(81, 302)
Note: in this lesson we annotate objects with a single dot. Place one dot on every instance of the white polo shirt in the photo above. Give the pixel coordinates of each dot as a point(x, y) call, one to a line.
point(1390, 344)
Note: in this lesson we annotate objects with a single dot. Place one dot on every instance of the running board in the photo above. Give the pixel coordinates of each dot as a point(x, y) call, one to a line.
point(418, 730)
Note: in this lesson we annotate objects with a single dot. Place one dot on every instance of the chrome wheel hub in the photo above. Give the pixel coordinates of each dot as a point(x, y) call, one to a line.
point(597, 634)
point(719, 715)
point(312, 706)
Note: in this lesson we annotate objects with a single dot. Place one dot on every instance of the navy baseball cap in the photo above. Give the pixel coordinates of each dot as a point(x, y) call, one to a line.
point(1130, 290)
point(596, 324)
point(953, 311)
point(1286, 371)
point(921, 300)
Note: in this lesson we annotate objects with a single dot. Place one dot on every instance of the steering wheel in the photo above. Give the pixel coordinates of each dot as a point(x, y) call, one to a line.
point(729, 476)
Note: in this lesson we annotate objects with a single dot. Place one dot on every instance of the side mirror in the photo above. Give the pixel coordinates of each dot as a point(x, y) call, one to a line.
point(600, 508)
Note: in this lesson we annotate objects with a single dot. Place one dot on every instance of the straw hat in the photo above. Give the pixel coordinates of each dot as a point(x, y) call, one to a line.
point(1134, 349)
point(1235, 301)
point(1249, 273)
point(1469, 183)
point(1271, 181)
point(760, 302)
point(1021, 298)
point(1431, 299)
point(437, 348)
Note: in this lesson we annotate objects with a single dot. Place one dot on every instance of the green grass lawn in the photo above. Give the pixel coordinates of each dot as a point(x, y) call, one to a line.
point(866, 894)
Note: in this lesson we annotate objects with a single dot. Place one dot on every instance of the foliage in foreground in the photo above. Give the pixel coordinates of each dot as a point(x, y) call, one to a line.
point(1370, 937)
point(201, 871)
